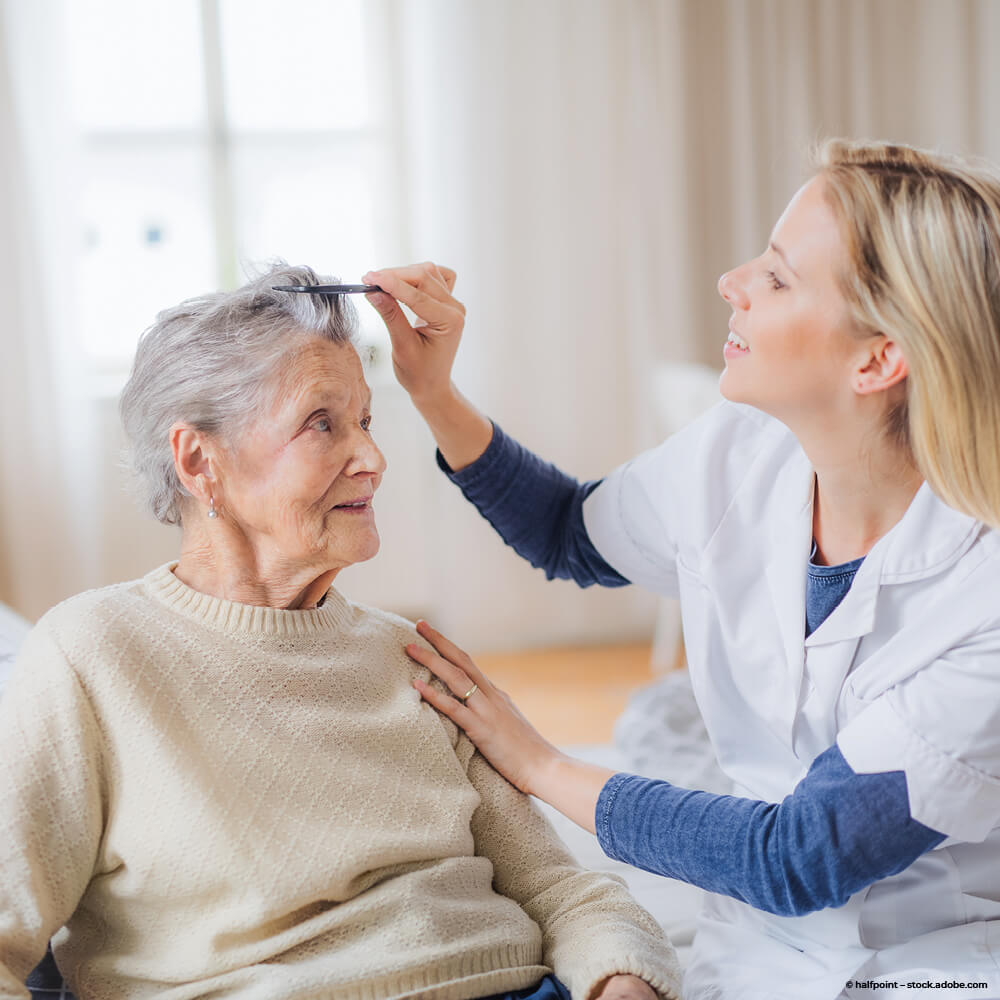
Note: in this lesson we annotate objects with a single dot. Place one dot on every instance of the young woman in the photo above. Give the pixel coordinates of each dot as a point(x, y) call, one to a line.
point(830, 531)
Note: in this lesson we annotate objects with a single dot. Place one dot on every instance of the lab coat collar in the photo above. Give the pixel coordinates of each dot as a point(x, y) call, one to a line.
point(928, 538)
point(791, 542)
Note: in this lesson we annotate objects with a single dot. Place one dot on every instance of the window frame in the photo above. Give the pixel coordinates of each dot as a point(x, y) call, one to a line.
point(216, 139)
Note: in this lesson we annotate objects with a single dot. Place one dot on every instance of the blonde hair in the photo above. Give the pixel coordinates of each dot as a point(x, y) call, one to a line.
point(923, 239)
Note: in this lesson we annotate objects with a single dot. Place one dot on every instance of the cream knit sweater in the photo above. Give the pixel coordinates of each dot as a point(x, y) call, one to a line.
point(220, 800)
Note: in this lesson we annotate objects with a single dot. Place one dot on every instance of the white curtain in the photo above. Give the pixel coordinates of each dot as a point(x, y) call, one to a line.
point(589, 167)
point(533, 167)
point(42, 541)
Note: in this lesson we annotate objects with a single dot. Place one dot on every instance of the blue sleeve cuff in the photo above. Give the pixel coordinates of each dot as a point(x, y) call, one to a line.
point(604, 812)
point(483, 468)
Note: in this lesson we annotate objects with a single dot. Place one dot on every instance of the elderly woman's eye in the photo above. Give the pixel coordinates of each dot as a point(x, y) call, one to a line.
point(323, 424)
point(366, 422)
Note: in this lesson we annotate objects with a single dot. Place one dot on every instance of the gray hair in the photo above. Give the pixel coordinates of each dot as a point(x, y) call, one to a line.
point(211, 361)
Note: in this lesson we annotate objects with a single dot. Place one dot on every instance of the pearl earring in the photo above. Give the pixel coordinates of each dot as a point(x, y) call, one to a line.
point(212, 512)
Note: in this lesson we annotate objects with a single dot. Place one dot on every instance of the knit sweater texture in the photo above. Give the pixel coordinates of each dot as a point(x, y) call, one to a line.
point(200, 798)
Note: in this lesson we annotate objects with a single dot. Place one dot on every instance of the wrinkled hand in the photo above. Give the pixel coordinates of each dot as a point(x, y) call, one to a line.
point(490, 719)
point(624, 988)
point(422, 355)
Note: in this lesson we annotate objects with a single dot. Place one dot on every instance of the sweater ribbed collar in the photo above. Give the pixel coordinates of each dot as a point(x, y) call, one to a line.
point(251, 619)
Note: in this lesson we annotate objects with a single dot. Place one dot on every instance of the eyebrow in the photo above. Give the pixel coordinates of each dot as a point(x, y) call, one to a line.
point(320, 403)
point(781, 253)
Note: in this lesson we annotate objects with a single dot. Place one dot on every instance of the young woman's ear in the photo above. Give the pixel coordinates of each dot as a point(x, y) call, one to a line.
point(884, 367)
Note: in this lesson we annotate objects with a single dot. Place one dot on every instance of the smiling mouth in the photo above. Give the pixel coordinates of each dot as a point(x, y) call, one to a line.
point(737, 341)
point(353, 505)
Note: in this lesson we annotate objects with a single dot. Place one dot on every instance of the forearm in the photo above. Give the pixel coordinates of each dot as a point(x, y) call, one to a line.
point(836, 834)
point(460, 431)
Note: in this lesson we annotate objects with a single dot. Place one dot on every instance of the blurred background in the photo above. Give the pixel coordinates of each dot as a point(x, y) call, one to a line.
point(589, 167)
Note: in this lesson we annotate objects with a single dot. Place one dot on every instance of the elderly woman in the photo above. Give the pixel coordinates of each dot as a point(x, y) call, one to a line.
point(219, 780)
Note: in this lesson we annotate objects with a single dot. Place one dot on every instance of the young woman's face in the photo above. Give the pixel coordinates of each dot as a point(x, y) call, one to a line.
point(791, 349)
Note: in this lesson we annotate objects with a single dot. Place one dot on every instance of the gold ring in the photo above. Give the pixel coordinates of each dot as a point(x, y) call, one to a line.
point(468, 694)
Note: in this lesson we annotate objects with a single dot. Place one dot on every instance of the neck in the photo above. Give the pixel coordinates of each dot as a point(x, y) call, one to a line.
point(864, 484)
point(217, 562)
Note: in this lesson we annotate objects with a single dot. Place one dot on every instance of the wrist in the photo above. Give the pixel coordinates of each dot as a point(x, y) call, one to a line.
point(569, 785)
point(462, 433)
point(548, 772)
point(438, 402)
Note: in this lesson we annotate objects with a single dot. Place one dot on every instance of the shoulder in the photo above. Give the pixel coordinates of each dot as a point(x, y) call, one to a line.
point(381, 637)
point(94, 610)
point(379, 625)
point(390, 633)
point(67, 651)
point(733, 450)
point(88, 630)
point(672, 499)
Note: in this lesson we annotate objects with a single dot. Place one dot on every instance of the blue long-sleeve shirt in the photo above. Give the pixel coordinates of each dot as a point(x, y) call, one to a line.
point(838, 831)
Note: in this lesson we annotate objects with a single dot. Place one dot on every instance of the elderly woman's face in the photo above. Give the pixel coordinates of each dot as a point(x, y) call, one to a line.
point(299, 483)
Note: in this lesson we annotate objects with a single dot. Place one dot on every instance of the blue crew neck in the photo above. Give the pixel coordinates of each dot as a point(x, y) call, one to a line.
point(826, 587)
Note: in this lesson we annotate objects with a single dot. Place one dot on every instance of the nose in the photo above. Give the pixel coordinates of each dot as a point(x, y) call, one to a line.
point(733, 290)
point(368, 459)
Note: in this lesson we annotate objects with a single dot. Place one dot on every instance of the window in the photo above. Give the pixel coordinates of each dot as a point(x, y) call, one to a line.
point(215, 135)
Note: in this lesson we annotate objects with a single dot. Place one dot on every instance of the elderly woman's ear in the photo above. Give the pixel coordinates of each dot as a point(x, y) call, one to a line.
point(194, 454)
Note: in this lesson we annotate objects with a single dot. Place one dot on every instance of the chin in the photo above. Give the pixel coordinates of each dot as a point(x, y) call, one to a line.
point(729, 388)
point(369, 549)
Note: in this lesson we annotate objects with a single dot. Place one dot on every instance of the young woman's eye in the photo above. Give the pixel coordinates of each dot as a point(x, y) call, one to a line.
point(774, 281)
point(366, 422)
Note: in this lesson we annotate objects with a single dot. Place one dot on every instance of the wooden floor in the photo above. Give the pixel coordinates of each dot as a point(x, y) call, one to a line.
point(571, 695)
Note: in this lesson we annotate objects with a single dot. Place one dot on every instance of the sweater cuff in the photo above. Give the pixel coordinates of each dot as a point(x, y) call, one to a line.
point(497, 453)
point(664, 980)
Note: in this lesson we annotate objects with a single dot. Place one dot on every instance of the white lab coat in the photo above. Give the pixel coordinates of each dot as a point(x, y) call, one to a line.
point(903, 675)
